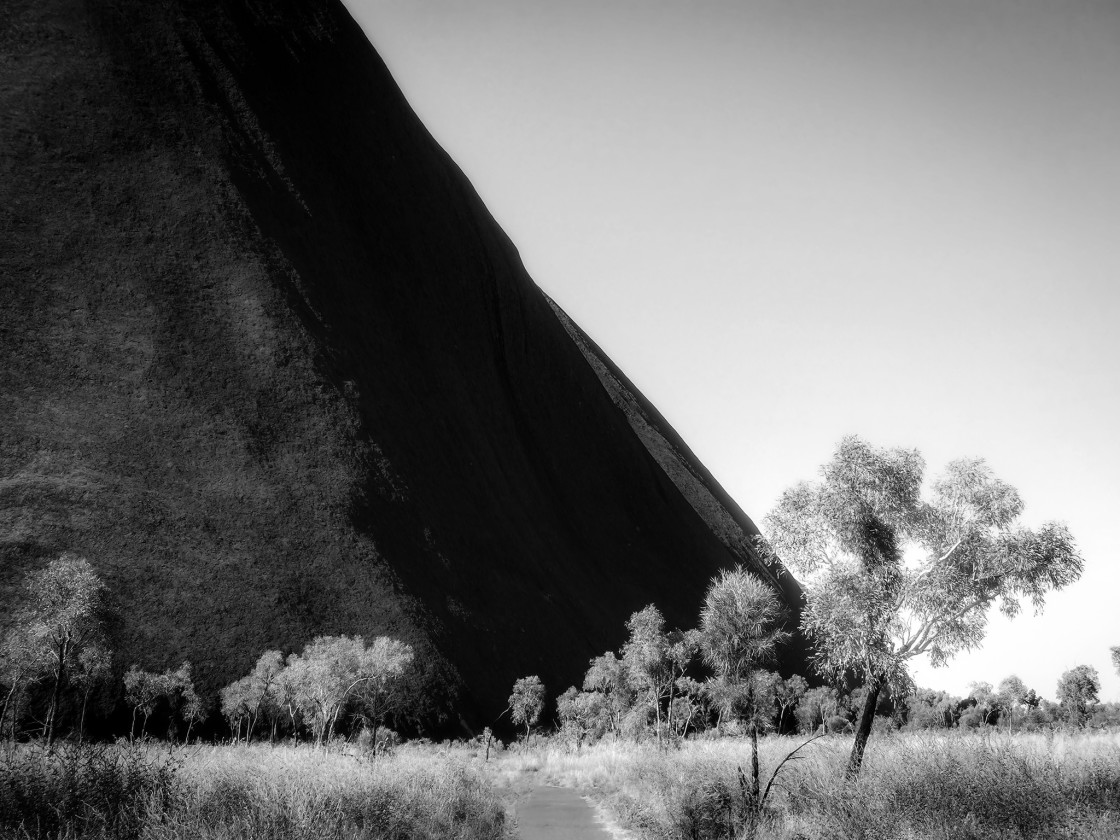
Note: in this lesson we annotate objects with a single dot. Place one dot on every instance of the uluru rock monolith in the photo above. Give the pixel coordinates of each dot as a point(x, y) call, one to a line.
point(272, 367)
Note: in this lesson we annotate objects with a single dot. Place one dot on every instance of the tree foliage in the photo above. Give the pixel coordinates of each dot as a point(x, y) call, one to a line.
point(890, 575)
point(738, 631)
point(1078, 690)
point(58, 634)
point(334, 672)
point(527, 702)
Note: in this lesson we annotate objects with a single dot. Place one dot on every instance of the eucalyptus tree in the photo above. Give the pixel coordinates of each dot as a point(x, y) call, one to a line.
point(143, 691)
point(889, 575)
point(1115, 651)
point(787, 694)
point(264, 682)
point(607, 675)
point(24, 660)
point(93, 664)
point(527, 702)
point(62, 615)
point(334, 671)
point(247, 698)
point(738, 632)
point(815, 708)
point(382, 686)
point(778, 696)
point(1011, 693)
point(1078, 692)
point(584, 715)
point(655, 660)
point(195, 709)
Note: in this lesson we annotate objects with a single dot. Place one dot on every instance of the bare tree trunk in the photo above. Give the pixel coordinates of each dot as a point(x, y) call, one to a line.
point(60, 671)
point(866, 719)
point(754, 762)
point(82, 721)
point(4, 710)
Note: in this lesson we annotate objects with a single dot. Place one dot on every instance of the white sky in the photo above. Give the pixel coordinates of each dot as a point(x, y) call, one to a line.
point(788, 221)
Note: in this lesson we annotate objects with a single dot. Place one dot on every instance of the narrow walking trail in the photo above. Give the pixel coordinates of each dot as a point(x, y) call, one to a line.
point(558, 813)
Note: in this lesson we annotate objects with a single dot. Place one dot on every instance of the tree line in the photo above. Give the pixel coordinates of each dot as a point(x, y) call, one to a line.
point(55, 653)
point(889, 572)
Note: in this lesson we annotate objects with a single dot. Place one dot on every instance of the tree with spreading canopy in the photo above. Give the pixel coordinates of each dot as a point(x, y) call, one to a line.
point(739, 631)
point(382, 690)
point(333, 671)
point(889, 575)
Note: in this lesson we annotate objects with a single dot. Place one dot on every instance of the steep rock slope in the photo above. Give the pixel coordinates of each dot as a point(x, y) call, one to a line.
point(272, 367)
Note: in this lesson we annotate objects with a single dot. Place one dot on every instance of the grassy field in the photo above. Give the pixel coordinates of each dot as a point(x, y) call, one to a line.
point(256, 792)
point(913, 787)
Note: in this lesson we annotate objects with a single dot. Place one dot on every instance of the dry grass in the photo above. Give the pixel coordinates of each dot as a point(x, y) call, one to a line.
point(913, 787)
point(246, 792)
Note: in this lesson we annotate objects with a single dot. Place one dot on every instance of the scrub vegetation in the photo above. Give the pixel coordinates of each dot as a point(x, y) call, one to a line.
point(959, 785)
point(248, 791)
point(681, 733)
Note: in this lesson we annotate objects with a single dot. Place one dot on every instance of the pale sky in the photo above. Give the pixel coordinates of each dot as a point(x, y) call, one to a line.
point(790, 221)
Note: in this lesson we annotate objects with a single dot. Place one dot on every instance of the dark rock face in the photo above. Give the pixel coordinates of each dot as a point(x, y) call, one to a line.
point(271, 366)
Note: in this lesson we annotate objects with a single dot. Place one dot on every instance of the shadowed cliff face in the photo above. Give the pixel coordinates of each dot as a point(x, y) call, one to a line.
point(272, 367)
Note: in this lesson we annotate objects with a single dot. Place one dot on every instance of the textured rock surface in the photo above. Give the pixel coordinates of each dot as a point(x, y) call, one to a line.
point(273, 368)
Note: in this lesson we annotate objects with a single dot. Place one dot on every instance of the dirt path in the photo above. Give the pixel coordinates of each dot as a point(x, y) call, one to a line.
point(557, 813)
